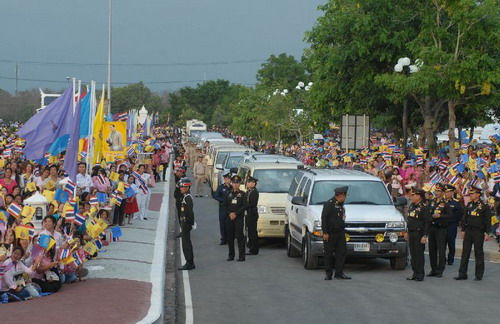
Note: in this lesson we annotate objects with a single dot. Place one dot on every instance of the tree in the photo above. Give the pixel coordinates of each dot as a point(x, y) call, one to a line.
point(352, 43)
point(281, 72)
point(134, 96)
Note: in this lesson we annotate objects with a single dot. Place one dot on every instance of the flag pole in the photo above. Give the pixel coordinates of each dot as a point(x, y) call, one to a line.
point(73, 97)
point(109, 57)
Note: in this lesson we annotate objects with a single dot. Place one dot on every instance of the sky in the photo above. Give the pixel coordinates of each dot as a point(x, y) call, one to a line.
point(167, 44)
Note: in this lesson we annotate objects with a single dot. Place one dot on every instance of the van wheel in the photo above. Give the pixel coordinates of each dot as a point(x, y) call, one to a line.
point(398, 263)
point(310, 262)
point(291, 250)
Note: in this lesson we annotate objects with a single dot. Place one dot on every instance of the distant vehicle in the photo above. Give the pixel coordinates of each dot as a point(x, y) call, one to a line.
point(374, 226)
point(232, 161)
point(274, 179)
point(195, 126)
point(488, 130)
point(46, 99)
point(218, 157)
point(271, 158)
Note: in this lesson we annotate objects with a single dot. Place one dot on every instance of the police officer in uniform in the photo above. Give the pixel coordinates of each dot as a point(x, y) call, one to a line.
point(220, 196)
point(456, 212)
point(418, 229)
point(178, 196)
point(475, 227)
point(333, 226)
point(236, 205)
point(440, 215)
point(252, 216)
point(186, 219)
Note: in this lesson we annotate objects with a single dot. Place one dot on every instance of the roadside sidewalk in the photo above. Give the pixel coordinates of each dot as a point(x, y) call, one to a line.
point(120, 286)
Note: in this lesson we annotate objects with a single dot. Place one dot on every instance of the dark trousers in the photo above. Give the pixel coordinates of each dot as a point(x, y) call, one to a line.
point(476, 238)
point(253, 238)
point(222, 224)
point(336, 243)
point(165, 166)
point(119, 213)
point(417, 253)
point(451, 236)
point(437, 249)
point(235, 230)
point(48, 287)
point(187, 246)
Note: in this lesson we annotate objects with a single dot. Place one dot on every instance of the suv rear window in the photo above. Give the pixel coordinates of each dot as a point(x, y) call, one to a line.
point(360, 192)
point(274, 180)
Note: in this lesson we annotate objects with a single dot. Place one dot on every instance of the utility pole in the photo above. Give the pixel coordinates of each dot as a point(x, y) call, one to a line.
point(109, 58)
point(17, 76)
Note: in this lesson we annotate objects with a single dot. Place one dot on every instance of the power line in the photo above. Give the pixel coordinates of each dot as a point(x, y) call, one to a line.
point(142, 65)
point(59, 81)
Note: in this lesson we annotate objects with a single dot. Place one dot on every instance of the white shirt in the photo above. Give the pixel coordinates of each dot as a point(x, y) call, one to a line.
point(84, 182)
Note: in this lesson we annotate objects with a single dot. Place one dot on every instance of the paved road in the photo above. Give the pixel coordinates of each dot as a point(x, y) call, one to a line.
point(272, 288)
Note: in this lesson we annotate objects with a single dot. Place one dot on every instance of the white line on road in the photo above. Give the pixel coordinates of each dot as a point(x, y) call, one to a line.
point(188, 300)
point(157, 268)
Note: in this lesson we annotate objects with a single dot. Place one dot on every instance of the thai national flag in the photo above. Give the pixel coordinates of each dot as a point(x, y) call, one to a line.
point(454, 180)
point(65, 253)
point(70, 218)
point(37, 172)
point(443, 164)
point(70, 188)
point(130, 151)
point(93, 200)
point(83, 154)
point(78, 259)
point(46, 155)
point(101, 180)
point(7, 153)
point(98, 243)
point(70, 212)
point(123, 116)
point(79, 219)
point(15, 210)
point(496, 179)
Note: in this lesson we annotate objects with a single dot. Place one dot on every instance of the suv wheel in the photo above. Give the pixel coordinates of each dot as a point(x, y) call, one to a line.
point(398, 263)
point(310, 262)
point(291, 250)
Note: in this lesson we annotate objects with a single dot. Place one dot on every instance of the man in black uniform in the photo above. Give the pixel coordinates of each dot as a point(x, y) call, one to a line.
point(236, 204)
point(178, 196)
point(252, 216)
point(333, 226)
point(440, 215)
point(186, 219)
point(475, 228)
point(220, 196)
point(456, 213)
point(418, 229)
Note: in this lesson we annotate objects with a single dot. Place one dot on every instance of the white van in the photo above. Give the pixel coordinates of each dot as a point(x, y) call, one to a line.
point(374, 226)
point(274, 180)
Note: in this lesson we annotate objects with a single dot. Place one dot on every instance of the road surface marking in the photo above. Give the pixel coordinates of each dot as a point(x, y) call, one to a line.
point(188, 300)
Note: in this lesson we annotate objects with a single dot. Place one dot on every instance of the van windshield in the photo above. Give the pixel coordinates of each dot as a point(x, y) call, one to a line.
point(274, 180)
point(359, 193)
point(233, 162)
point(220, 157)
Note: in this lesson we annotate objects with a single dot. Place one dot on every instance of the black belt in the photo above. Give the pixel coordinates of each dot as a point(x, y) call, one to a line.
point(415, 230)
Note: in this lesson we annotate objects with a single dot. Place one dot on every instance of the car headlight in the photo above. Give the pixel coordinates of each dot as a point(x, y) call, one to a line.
point(317, 230)
point(262, 209)
point(393, 237)
point(395, 225)
point(379, 238)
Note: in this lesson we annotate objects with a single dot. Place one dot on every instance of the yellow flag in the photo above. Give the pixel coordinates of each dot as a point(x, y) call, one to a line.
point(51, 244)
point(113, 176)
point(22, 232)
point(90, 248)
point(28, 211)
point(121, 187)
point(2, 163)
point(68, 260)
point(97, 131)
point(31, 186)
point(49, 195)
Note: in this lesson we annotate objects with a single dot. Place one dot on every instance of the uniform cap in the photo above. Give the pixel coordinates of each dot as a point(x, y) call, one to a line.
point(440, 186)
point(418, 191)
point(236, 179)
point(252, 179)
point(227, 175)
point(475, 189)
point(341, 190)
point(184, 182)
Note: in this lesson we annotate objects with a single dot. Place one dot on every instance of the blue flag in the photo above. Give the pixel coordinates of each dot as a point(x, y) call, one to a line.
point(59, 145)
point(101, 197)
point(61, 196)
point(71, 158)
point(85, 115)
point(45, 127)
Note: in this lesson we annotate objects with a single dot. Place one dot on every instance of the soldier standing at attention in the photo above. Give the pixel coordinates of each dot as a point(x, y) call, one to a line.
point(437, 232)
point(236, 204)
point(456, 213)
point(333, 226)
point(199, 170)
point(475, 228)
point(220, 196)
point(186, 219)
point(252, 216)
point(418, 229)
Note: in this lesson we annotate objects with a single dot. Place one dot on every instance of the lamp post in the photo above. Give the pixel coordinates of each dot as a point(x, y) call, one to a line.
point(404, 66)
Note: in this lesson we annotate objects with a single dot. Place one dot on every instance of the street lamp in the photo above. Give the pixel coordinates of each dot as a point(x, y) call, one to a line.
point(404, 66)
